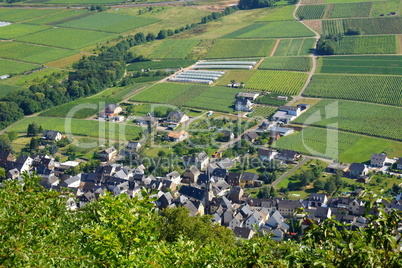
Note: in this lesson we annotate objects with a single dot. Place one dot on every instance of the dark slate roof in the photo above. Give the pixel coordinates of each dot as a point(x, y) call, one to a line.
point(50, 134)
point(242, 232)
point(203, 178)
point(219, 172)
point(21, 159)
point(249, 176)
point(265, 152)
point(288, 153)
point(251, 135)
point(179, 115)
point(241, 101)
point(358, 167)
point(111, 107)
point(192, 192)
point(233, 176)
point(288, 108)
point(317, 197)
point(4, 154)
point(225, 163)
point(132, 145)
point(399, 161)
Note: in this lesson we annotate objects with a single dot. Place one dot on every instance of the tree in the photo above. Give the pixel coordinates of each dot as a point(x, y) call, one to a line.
point(162, 34)
point(264, 192)
point(12, 135)
point(319, 185)
point(330, 186)
point(33, 129)
point(34, 144)
point(150, 37)
point(161, 153)
point(5, 143)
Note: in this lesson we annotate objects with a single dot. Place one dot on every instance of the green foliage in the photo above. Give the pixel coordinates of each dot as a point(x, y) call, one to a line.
point(15, 67)
point(301, 64)
point(17, 30)
point(251, 4)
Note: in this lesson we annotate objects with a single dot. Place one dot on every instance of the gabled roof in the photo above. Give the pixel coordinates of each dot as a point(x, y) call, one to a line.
point(265, 152)
point(243, 232)
point(288, 154)
point(111, 107)
point(249, 176)
point(177, 135)
point(219, 172)
point(225, 163)
point(288, 108)
point(358, 167)
point(192, 192)
point(399, 161)
point(251, 135)
point(378, 157)
point(178, 115)
point(241, 101)
point(132, 145)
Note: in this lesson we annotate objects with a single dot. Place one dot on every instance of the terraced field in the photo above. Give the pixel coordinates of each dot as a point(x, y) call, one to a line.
point(288, 83)
point(277, 29)
point(391, 65)
point(174, 49)
point(301, 64)
point(357, 117)
point(109, 22)
point(32, 53)
point(382, 44)
point(228, 48)
point(66, 37)
point(370, 88)
point(313, 12)
point(162, 93)
point(279, 14)
point(295, 47)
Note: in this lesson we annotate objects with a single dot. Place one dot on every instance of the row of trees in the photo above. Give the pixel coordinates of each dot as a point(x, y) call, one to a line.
point(217, 15)
point(36, 230)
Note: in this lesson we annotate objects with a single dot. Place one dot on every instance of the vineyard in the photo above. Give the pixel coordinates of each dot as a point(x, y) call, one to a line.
point(66, 37)
point(288, 83)
point(280, 13)
point(13, 67)
point(350, 10)
point(162, 92)
point(357, 117)
point(313, 12)
point(318, 142)
point(5, 89)
point(369, 26)
point(188, 95)
point(295, 47)
point(227, 48)
point(312, 2)
point(383, 44)
point(162, 64)
point(173, 49)
point(370, 88)
point(262, 112)
point(237, 75)
point(302, 64)
point(391, 65)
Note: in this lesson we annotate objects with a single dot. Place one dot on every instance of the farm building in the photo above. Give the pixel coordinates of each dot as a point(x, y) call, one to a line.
point(112, 109)
point(244, 105)
point(286, 114)
point(283, 131)
point(178, 136)
point(225, 65)
point(399, 163)
point(334, 167)
point(248, 95)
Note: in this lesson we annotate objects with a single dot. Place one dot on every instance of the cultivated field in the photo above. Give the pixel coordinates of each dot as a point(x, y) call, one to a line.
point(237, 75)
point(370, 88)
point(81, 127)
point(313, 12)
point(302, 64)
point(357, 117)
point(173, 49)
point(280, 13)
point(382, 44)
point(227, 48)
point(277, 29)
point(295, 47)
point(17, 30)
point(16, 14)
point(216, 99)
point(262, 111)
point(161, 93)
point(156, 65)
point(5, 89)
point(387, 25)
point(350, 10)
point(13, 67)
point(109, 22)
point(361, 65)
point(288, 83)
point(62, 16)
point(66, 37)
point(32, 53)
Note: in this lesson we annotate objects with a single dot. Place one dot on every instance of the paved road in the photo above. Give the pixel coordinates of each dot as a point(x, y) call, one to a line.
point(287, 173)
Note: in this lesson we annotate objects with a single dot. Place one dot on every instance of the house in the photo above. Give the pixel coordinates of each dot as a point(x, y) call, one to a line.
point(5, 156)
point(303, 106)
point(378, 160)
point(200, 160)
point(111, 109)
point(174, 176)
point(193, 193)
point(177, 117)
point(249, 179)
point(243, 232)
point(132, 146)
point(236, 193)
point(244, 105)
point(267, 154)
point(254, 220)
point(288, 156)
point(283, 131)
point(191, 174)
point(291, 110)
point(357, 170)
point(274, 136)
point(248, 95)
point(288, 208)
point(177, 136)
point(282, 116)
point(233, 178)
point(317, 200)
point(251, 136)
point(51, 135)
point(399, 163)
point(107, 154)
point(226, 136)
point(364, 179)
point(335, 167)
point(146, 121)
point(23, 163)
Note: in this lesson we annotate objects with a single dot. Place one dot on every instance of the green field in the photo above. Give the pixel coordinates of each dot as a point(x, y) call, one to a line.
point(13, 67)
point(295, 47)
point(157, 65)
point(16, 14)
point(81, 127)
point(62, 16)
point(288, 83)
point(237, 75)
point(384, 7)
point(161, 93)
point(361, 65)
point(216, 99)
point(313, 12)
point(18, 29)
point(228, 48)
point(173, 49)
point(119, 93)
point(357, 117)
point(280, 13)
point(369, 26)
point(350, 10)
point(262, 111)
point(370, 88)
point(66, 37)
point(383, 44)
point(32, 53)
point(5, 89)
point(302, 64)
point(109, 22)
point(277, 29)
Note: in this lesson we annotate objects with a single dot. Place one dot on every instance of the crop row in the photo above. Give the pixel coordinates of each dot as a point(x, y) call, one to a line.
point(313, 12)
point(162, 64)
point(295, 47)
point(382, 44)
point(390, 25)
point(173, 49)
point(357, 117)
point(262, 112)
point(228, 48)
point(350, 10)
point(302, 64)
